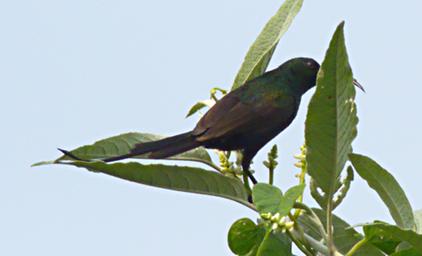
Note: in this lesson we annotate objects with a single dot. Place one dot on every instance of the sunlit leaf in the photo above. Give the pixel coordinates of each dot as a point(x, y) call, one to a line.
point(331, 120)
point(261, 51)
point(122, 144)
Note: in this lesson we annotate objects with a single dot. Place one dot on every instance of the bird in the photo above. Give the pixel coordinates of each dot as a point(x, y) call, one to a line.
point(244, 119)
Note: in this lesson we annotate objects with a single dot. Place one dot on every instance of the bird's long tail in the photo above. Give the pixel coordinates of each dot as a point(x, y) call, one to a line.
point(159, 149)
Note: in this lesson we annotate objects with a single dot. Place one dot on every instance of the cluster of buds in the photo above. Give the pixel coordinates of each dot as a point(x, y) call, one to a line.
point(302, 158)
point(278, 222)
point(271, 163)
point(225, 164)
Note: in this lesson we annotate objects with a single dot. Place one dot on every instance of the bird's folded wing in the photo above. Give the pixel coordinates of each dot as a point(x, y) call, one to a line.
point(232, 115)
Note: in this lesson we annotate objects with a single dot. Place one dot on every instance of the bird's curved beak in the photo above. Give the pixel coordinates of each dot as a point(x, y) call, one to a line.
point(358, 85)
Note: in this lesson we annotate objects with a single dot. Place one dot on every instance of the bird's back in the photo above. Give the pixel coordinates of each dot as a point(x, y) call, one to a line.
point(250, 115)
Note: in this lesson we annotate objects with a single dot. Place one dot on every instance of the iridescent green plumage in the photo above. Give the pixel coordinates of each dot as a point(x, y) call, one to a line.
point(244, 119)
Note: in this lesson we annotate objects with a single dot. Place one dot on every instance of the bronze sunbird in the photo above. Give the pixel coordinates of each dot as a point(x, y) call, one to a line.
point(245, 119)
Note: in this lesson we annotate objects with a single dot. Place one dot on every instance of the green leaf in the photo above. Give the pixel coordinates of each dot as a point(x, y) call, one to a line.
point(266, 198)
point(244, 235)
point(275, 244)
point(344, 235)
point(248, 239)
point(290, 198)
point(200, 105)
point(418, 220)
point(387, 188)
point(269, 199)
point(187, 179)
point(261, 51)
point(122, 144)
point(331, 120)
point(380, 231)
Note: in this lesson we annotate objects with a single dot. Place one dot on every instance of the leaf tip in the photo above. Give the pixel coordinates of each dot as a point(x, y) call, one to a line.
point(42, 163)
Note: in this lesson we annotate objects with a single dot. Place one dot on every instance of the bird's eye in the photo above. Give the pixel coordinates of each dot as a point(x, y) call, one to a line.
point(312, 65)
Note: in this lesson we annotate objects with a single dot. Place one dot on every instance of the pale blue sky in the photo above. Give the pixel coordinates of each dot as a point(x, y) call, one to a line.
point(72, 72)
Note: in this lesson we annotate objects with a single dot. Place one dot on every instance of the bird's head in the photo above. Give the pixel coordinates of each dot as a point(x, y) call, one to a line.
point(303, 72)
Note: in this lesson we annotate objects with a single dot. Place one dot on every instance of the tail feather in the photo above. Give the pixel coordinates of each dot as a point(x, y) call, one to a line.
point(161, 148)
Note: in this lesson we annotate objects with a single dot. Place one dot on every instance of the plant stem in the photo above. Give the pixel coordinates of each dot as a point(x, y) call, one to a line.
point(301, 233)
point(314, 218)
point(330, 238)
point(301, 181)
point(271, 180)
point(318, 246)
point(357, 246)
point(299, 244)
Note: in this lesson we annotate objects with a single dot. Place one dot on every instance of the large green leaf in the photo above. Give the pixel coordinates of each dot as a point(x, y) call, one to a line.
point(387, 188)
point(331, 120)
point(248, 239)
point(122, 144)
point(245, 236)
point(269, 199)
point(380, 231)
point(261, 51)
point(187, 179)
point(344, 235)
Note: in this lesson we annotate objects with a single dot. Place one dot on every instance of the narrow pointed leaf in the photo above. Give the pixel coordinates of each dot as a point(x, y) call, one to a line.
point(199, 105)
point(261, 51)
point(331, 120)
point(122, 144)
point(388, 189)
point(344, 235)
point(187, 179)
point(380, 231)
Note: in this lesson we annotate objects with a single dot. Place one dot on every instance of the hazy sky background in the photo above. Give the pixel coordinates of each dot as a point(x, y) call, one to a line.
point(72, 72)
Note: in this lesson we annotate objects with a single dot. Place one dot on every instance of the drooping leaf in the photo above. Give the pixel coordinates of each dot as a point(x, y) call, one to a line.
point(331, 120)
point(122, 144)
point(384, 232)
point(275, 244)
point(344, 235)
point(261, 51)
point(269, 199)
point(387, 188)
point(244, 236)
point(200, 105)
point(187, 179)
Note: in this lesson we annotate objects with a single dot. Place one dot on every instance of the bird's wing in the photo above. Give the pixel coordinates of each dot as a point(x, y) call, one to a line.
point(234, 114)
